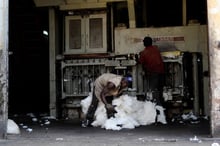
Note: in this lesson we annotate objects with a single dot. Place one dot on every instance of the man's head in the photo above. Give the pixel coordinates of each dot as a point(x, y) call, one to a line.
point(124, 83)
point(147, 41)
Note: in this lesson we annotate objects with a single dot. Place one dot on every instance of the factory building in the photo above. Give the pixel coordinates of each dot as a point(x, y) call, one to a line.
point(56, 49)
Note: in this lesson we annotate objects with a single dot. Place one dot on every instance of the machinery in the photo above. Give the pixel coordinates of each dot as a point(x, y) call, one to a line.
point(182, 90)
point(79, 74)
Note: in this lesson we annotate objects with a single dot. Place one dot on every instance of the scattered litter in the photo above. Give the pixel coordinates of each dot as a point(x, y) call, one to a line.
point(29, 130)
point(59, 139)
point(215, 144)
point(49, 117)
point(42, 120)
point(24, 126)
point(31, 115)
point(141, 139)
point(165, 140)
point(195, 139)
point(34, 119)
point(181, 122)
point(205, 117)
point(194, 122)
point(189, 116)
point(47, 122)
point(161, 116)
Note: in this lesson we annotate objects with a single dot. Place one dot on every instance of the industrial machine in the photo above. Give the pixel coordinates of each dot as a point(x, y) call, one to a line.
point(183, 80)
point(183, 90)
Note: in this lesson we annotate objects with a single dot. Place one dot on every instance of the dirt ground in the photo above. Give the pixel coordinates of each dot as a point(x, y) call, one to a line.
point(70, 133)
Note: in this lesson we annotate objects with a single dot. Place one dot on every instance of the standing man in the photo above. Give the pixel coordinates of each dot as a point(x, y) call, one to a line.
point(106, 87)
point(153, 66)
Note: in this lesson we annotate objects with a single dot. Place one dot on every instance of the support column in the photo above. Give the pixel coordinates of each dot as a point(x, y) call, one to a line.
point(131, 13)
point(3, 67)
point(214, 60)
point(52, 57)
point(184, 20)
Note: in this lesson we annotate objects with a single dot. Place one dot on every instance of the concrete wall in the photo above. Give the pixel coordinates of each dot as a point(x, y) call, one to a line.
point(3, 66)
point(191, 38)
point(214, 52)
point(130, 40)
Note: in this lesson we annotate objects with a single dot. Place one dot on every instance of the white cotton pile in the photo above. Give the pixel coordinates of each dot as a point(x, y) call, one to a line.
point(134, 111)
point(131, 113)
point(12, 127)
point(161, 116)
point(100, 116)
point(85, 103)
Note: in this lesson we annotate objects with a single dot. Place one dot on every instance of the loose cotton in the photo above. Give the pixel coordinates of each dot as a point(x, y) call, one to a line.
point(12, 127)
point(131, 113)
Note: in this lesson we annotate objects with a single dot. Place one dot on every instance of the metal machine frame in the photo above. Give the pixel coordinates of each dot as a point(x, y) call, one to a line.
point(181, 78)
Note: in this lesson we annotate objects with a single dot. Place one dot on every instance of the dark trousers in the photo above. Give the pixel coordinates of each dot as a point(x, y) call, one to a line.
point(155, 85)
point(93, 106)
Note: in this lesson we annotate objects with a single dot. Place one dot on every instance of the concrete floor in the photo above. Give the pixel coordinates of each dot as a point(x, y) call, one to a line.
point(70, 133)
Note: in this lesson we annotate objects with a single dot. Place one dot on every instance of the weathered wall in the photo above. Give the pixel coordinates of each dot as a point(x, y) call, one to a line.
point(3, 66)
point(130, 40)
point(214, 49)
point(193, 38)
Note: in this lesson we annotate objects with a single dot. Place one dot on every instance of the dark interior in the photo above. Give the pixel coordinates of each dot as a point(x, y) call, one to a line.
point(29, 59)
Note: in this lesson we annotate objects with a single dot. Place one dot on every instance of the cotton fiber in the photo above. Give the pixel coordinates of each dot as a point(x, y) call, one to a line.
point(131, 113)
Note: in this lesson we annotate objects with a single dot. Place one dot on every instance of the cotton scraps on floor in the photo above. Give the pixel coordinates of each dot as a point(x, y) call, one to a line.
point(131, 113)
point(12, 127)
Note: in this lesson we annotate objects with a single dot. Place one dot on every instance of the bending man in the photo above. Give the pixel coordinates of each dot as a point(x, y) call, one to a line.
point(106, 87)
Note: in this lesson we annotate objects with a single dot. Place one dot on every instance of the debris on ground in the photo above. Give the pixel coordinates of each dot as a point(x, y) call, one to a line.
point(12, 127)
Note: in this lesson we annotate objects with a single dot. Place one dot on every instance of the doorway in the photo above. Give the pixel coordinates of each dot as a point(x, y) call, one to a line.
point(28, 58)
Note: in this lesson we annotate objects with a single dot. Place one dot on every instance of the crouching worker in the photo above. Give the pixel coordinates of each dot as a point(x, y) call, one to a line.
point(106, 87)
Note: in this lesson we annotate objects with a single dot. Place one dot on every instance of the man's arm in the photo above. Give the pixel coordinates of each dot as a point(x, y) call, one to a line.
point(121, 90)
point(105, 92)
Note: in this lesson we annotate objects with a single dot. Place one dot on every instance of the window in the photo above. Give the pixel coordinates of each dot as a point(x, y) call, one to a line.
point(85, 34)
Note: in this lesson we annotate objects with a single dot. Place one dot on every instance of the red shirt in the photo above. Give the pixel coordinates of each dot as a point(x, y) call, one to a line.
point(151, 59)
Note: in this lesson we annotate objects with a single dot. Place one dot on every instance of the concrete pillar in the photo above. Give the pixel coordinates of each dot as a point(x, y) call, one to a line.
point(214, 58)
point(131, 13)
point(3, 67)
point(184, 13)
point(52, 53)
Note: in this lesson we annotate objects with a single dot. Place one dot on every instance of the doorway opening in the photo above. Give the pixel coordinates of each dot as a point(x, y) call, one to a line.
point(28, 59)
